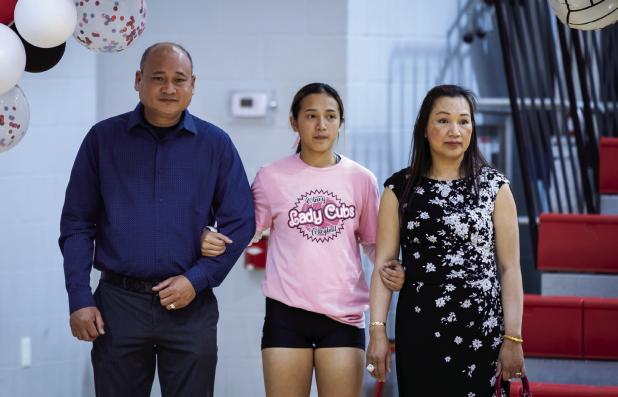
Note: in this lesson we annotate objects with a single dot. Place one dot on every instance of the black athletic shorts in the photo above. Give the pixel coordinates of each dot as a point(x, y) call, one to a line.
point(286, 326)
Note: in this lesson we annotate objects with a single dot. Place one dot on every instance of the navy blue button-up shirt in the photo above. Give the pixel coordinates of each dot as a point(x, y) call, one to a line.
point(136, 204)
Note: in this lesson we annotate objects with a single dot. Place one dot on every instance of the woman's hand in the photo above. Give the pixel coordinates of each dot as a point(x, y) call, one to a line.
point(511, 360)
point(213, 243)
point(379, 353)
point(393, 275)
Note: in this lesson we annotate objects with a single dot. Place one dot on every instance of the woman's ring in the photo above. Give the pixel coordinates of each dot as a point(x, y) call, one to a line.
point(371, 368)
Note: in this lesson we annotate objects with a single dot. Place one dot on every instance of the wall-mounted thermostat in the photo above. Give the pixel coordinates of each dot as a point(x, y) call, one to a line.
point(250, 104)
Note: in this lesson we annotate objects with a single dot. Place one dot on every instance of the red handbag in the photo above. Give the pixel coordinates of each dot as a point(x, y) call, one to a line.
point(524, 383)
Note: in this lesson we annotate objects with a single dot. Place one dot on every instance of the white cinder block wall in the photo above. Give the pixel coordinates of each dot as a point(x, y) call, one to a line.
point(274, 46)
point(396, 52)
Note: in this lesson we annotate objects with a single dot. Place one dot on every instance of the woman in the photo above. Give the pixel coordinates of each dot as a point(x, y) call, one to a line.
point(449, 211)
point(318, 206)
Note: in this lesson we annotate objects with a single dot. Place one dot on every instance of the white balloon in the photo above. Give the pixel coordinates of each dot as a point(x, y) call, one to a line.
point(12, 58)
point(586, 14)
point(14, 118)
point(45, 23)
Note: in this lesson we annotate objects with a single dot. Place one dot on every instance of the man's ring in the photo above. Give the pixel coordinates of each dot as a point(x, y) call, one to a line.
point(371, 368)
point(519, 374)
point(171, 306)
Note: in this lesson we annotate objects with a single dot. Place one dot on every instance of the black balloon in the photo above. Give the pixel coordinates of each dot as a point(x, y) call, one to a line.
point(40, 59)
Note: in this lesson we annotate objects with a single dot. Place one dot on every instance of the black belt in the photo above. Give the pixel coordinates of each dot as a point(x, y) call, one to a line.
point(130, 283)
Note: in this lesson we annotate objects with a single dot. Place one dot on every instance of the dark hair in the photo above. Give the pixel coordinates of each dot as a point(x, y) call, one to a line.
point(314, 88)
point(148, 50)
point(420, 158)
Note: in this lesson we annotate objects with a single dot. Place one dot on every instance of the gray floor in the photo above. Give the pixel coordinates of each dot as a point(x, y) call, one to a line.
point(583, 372)
point(609, 204)
point(602, 285)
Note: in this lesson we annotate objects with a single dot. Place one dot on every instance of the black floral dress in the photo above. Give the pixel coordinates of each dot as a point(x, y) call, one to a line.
point(449, 319)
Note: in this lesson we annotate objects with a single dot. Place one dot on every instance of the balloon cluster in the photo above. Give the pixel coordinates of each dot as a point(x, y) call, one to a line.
point(33, 36)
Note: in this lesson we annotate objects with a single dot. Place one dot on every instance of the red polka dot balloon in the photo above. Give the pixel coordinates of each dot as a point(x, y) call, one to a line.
point(109, 25)
point(14, 118)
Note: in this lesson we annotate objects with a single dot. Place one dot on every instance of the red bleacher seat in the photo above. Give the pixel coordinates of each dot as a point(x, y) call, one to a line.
point(578, 243)
point(600, 328)
point(608, 166)
point(570, 327)
point(560, 390)
point(552, 326)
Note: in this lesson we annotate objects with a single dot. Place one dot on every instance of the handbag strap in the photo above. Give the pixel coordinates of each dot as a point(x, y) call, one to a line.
point(524, 382)
point(526, 386)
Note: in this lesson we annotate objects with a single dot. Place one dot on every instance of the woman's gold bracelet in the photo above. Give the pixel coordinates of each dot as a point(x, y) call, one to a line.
point(513, 338)
point(377, 324)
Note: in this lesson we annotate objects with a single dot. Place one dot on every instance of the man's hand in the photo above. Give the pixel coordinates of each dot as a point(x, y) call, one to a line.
point(175, 292)
point(87, 323)
point(393, 275)
point(213, 243)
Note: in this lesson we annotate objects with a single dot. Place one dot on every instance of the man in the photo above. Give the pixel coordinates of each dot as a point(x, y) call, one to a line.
point(143, 187)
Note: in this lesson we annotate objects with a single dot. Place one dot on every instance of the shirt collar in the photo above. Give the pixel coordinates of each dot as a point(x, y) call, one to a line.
point(136, 118)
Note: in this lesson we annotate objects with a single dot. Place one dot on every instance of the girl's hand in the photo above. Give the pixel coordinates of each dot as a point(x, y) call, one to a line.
point(378, 354)
point(213, 243)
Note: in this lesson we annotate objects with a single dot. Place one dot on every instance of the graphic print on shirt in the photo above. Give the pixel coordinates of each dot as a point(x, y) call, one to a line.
point(320, 215)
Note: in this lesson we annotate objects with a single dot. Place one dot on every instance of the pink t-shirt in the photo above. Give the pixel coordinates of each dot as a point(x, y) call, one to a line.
point(317, 218)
